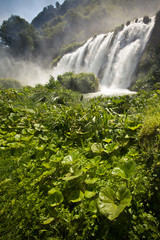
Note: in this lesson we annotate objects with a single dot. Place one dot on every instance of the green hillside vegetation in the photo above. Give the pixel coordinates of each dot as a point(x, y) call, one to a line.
point(9, 83)
point(47, 14)
point(79, 169)
point(73, 21)
point(79, 20)
point(19, 37)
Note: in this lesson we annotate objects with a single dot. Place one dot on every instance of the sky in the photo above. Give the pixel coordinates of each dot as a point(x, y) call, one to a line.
point(27, 9)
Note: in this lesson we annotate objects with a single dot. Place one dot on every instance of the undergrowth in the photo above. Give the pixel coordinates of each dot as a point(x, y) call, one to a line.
point(83, 169)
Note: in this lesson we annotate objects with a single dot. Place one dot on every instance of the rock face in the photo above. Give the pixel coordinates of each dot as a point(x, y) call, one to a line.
point(154, 43)
point(148, 70)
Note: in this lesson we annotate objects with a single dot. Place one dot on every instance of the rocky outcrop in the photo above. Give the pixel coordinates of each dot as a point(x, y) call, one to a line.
point(154, 43)
point(147, 75)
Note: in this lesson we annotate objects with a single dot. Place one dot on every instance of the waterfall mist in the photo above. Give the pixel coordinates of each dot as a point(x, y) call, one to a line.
point(26, 72)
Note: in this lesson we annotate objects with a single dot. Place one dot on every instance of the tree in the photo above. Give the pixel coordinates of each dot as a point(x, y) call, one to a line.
point(58, 5)
point(18, 35)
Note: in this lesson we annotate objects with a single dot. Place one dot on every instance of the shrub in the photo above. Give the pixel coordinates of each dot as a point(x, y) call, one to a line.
point(9, 83)
point(151, 122)
point(82, 82)
point(52, 84)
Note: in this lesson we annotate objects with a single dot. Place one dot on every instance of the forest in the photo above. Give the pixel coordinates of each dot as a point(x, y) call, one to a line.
point(73, 167)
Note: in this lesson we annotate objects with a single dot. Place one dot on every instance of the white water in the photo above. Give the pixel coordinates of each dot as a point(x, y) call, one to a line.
point(113, 59)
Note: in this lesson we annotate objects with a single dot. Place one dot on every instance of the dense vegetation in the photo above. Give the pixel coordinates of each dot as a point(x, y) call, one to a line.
point(19, 36)
point(72, 169)
point(82, 82)
point(9, 83)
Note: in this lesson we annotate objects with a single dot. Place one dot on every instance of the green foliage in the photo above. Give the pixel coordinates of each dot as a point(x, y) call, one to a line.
point(46, 15)
point(19, 35)
point(9, 83)
point(72, 169)
point(151, 122)
point(125, 170)
point(107, 201)
point(82, 82)
point(52, 84)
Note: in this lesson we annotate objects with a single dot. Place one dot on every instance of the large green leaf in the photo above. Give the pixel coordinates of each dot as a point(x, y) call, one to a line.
point(67, 160)
point(55, 158)
point(89, 194)
point(125, 170)
point(17, 137)
point(76, 196)
point(71, 177)
point(75, 172)
point(71, 158)
point(119, 172)
point(111, 147)
point(108, 199)
point(95, 161)
point(56, 197)
point(43, 176)
point(129, 167)
point(91, 180)
point(97, 148)
point(101, 169)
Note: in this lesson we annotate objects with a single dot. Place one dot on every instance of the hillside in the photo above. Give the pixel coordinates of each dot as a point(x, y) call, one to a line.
point(79, 20)
point(73, 21)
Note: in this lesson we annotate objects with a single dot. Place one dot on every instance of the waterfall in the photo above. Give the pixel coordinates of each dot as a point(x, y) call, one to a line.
point(112, 57)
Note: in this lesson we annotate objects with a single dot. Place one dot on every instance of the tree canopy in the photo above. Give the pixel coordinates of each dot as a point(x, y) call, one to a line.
point(18, 35)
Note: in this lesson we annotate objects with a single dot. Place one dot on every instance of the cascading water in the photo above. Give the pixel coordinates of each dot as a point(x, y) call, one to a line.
point(112, 57)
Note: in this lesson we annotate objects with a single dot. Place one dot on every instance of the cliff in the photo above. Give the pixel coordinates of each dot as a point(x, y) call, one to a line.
point(148, 70)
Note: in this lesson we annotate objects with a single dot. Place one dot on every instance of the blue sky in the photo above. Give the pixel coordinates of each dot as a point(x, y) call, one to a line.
point(27, 9)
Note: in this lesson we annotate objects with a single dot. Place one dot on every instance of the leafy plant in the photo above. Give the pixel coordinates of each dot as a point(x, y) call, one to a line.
point(107, 201)
point(82, 82)
point(9, 83)
point(78, 169)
